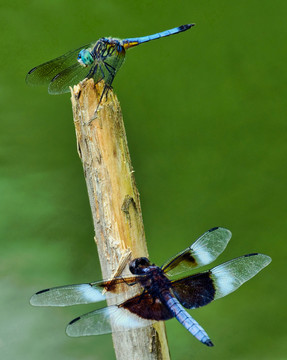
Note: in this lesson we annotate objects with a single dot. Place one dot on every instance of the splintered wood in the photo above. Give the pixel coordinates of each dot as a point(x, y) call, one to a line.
point(115, 204)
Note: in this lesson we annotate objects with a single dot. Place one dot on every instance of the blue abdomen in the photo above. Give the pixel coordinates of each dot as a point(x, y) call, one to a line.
point(140, 40)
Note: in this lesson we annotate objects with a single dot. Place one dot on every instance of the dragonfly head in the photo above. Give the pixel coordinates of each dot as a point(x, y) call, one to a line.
point(138, 266)
point(85, 58)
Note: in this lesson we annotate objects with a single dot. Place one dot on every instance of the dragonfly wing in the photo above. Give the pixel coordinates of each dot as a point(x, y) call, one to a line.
point(231, 275)
point(205, 250)
point(137, 312)
point(61, 83)
point(44, 73)
point(147, 307)
point(200, 289)
point(194, 291)
point(81, 293)
point(68, 295)
point(104, 321)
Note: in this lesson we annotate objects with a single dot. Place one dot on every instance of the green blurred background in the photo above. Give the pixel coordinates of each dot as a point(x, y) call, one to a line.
point(205, 118)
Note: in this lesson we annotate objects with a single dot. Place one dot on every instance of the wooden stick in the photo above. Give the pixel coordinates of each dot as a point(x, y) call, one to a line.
point(115, 204)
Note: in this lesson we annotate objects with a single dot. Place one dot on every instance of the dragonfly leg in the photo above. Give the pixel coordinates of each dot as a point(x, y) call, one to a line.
point(105, 92)
point(108, 67)
point(112, 71)
point(129, 284)
point(102, 95)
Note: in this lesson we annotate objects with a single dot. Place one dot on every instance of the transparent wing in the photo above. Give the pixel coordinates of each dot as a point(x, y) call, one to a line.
point(82, 293)
point(68, 295)
point(72, 76)
point(100, 69)
point(229, 276)
point(205, 250)
point(44, 73)
point(200, 289)
point(104, 321)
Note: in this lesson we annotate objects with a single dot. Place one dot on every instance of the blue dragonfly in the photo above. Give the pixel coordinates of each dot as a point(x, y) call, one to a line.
point(99, 60)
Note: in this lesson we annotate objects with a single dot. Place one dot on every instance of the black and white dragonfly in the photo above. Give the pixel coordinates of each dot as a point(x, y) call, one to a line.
point(161, 298)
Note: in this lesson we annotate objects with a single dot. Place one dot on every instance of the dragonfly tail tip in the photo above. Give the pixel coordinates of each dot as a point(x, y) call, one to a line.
point(209, 343)
point(186, 27)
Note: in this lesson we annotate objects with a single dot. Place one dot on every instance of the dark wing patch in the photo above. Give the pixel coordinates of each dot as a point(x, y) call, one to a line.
point(147, 308)
point(202, 252)
point(200, 289)
point(183, 260)
point(194, 291)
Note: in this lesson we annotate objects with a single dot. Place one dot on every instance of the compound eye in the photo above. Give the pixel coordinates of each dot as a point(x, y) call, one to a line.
point(143, 261)
point(81, 54)
point(85, 58)
point(138, 265)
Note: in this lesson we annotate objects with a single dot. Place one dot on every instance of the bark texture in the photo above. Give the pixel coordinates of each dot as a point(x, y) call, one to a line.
point(115, 204)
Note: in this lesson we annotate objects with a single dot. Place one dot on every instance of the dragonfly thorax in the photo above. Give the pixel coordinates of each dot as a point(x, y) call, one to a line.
point(153, 279)
point(106, 48)
point(85, 58)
